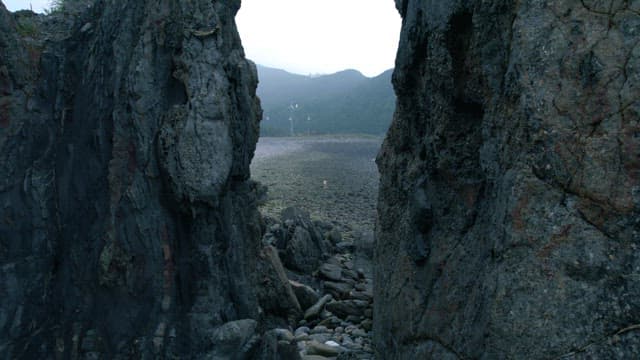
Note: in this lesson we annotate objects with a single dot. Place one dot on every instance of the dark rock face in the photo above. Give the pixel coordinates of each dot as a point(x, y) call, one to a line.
point(128, 226)
point(509, 207)
point(275, 293)
point(303, 244)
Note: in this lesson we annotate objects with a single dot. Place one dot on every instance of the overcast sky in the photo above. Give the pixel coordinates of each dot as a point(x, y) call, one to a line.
point(38, 5)
point(321, 36)
point(310, 36)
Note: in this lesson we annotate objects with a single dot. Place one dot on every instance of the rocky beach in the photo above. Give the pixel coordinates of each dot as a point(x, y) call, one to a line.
point(335, 178)
point(324, 241)
point(136, 222)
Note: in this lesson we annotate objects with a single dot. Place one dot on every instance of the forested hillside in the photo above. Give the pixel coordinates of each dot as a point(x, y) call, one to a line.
point(344, 102)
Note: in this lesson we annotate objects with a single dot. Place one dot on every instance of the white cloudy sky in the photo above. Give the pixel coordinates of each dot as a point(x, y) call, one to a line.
point(38, 5)
point(310, 36)
point(321, 36)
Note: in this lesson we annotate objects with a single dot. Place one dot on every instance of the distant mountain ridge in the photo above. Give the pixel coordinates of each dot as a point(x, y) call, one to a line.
point(343, 102)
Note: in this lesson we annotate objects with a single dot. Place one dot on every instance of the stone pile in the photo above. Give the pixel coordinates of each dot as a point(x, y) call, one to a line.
point(332, 315)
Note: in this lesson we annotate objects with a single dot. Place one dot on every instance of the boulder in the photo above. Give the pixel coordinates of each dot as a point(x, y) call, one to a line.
point(320, 337)
point(297, 216)
point(284, 335)
point(330, 271)
point(315, 310)
point(331, 322)
point(303, 245)
point(302, 253)
point(344, 308)
point(232, 336)
point(272, 346)
point(302, 330)
point(361, 295)
point(275, 293)
point(350, 274)
point(320, 329)
point(316, 348)
point(339, 290)
point(306, 296)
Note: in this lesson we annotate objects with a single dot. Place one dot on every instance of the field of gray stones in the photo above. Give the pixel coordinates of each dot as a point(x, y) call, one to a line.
point(334, 178)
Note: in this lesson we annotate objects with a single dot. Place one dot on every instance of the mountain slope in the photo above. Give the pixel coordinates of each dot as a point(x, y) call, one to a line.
point(344, 102)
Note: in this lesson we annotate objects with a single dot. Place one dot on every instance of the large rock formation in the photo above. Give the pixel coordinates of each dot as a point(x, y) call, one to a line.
point(127, 222)
point(509, 209)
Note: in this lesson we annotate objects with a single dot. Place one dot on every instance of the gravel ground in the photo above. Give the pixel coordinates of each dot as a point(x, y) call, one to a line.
point(334, 178)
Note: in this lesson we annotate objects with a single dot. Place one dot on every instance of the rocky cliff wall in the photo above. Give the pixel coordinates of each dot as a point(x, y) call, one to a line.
point(127, 222)
point(509, 207)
